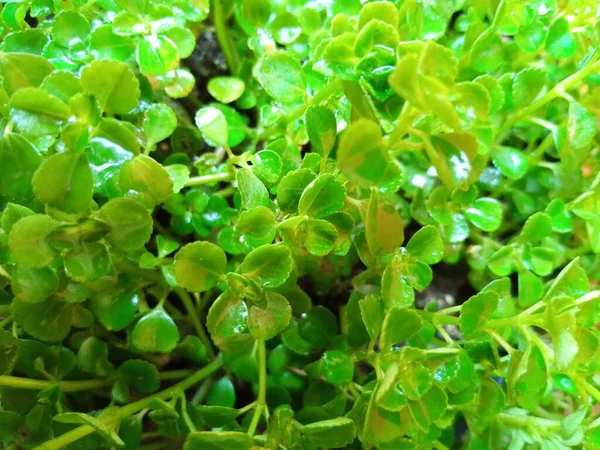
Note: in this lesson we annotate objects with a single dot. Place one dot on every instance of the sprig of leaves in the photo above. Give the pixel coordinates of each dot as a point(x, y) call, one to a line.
point(270, 225)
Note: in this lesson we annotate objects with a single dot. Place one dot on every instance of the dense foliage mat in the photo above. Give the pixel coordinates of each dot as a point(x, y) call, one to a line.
point(224, 224)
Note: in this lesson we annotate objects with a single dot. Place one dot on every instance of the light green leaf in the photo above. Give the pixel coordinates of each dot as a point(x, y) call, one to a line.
point(281, 76)
point(199, 265)
point(113, 83)
point(65, 181)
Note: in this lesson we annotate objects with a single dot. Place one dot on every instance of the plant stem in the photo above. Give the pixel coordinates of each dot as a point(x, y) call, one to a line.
point(208, 179)
point(528, 421)
point(65, 386)
point(224, 37)
point(261, 403)
point(115, 415)
point(536, 319)
point(189, 306)
point(79, 385)
point(6, 321)
point(556, 91)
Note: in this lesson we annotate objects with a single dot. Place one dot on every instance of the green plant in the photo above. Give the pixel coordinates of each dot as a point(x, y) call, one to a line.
point(242, 259)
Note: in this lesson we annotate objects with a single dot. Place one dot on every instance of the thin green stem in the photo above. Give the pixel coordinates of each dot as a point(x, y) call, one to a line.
point(4, 273)
point(6, 321)
point(65, 386)
point(536, 319)
point(500, 340)
point(439, 317)
point(247, 408)
point(556, 91)
point(519, 421)
point(208, 179)
point(590, 389)
point(191, 310)
point(224, 37)
point(79, 385)
point(261, 402)
point(112, 416)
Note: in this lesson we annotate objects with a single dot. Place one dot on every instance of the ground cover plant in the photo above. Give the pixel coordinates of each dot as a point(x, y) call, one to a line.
point(299, 224)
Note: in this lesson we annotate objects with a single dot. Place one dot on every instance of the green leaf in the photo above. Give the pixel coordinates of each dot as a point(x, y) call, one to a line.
point(146, 179)
point(334, 433)
point(255, 12)
point(19, 160)
point(269, 264)
point(285, 28)
point(485, 214)
point(141, 375)
point(372, 313)
point(511, 162)
point(560, 42)
point(252, 190)
point(321, 128)
point(65, 181)
point(199, 265)
point(92, 357)
point(426, 245)
point(89, 262)
point(113, 83)
point(21, 70)
point(270, 316)
point(536, 228)
point(156, 55)
point(319, 236)
point(227, 318)
point(9, 349)
point(48, 321)
point(115, 308)
point(12, 214)
point(337, 367)
point(291, 187)
point(193, 349)
point(581, 128)
point(360, 153)
point(213, 126)
point(281, 76)
point(398, 325)
point(105, 44)
point(267, 165)
point(527, 85)
point(32, 285)
point(70, 29)
point(323, 196)
point(27, 240)
point(35, 112)
point(155, 332)
point(226, 89)
point(572, 281)
point(428, 408)
point(395, 286)
point(383, 226)
point(184, 40)
point(130, 223)
point(62, 85)
point(159, 123)
point(256, 227)
point(382, 10)
point(476, 311)
point(218, 440)
point(486, 53)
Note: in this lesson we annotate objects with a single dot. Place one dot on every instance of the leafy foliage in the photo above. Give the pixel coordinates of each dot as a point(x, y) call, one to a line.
point(243, 246)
